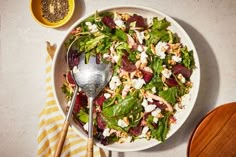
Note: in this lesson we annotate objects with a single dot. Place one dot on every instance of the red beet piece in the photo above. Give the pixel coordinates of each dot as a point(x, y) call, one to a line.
point(81, 100)
point(180, 69)
point(99, 100)
point(101, 123)
point(158, 104)
point(136, 131)
point(147, 76)
point(127, 65)
point(69, 78)
point(140, 22)
point(171, 82)
point(109, 22)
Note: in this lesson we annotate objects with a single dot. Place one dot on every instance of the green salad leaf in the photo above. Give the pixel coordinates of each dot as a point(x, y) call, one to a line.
point(169, 95)
point(188, 59)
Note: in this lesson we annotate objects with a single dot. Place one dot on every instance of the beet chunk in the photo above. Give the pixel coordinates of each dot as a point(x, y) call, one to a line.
point(81, 100)
point(109, 22)
point(180, 69)
point(171, 82)
point(136, 131)
point(101, 123)
point(140, 22)
point(127, 65)
point(147, 76)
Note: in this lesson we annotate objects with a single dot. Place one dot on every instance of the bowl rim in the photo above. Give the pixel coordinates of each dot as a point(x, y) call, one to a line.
point(56, 25)
point(174, 22)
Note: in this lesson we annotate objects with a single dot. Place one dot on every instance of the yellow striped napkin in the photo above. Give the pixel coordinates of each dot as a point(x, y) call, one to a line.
point(50, 125)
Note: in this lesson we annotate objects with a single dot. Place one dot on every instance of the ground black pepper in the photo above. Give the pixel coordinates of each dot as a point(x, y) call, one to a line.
point(54, 10)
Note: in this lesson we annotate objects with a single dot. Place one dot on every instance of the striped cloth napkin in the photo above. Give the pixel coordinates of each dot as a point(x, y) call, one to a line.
point(50, 125)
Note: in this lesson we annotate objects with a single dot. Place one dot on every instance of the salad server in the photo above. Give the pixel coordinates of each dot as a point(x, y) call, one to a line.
point(91, 78)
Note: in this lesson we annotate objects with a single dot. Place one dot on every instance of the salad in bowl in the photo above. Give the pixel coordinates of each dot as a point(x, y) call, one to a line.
point(152, 76)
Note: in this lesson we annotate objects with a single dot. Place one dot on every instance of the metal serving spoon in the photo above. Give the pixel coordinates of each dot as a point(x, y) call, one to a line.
point(91, 78)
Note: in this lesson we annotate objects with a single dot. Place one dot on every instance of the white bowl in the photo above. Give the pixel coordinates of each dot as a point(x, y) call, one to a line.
point(60, 68)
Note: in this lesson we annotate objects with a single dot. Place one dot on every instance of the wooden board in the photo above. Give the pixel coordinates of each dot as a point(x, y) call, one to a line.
point(215, 136)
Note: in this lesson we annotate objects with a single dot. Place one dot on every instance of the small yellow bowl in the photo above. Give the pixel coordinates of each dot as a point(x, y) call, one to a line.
point(36, 12)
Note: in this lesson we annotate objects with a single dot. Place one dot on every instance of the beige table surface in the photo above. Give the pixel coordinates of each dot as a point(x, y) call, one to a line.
point(210, 23)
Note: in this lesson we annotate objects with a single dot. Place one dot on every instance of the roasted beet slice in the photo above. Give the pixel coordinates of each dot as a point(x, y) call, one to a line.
point(127, 65)
point(180, 69)
point(109, 22)
point(136, 131)
point(101, 123)
point(161, 106)
point(171, 82)
point(81, 100)
point(99, 100)
point(147, 76)
point(140, 22)
point(69, 78)
point(73, 58)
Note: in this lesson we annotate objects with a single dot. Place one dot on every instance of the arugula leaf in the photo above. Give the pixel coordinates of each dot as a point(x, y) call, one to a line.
point(158, 35)
point(160, 24)
point(82, 116)
point(104, 45)
point(156, 65)
point(129, 107)
point(92, 43)
point(163, 127)
point(187, 57)
point(169, 95)
point(67, 91)
point(120, 35)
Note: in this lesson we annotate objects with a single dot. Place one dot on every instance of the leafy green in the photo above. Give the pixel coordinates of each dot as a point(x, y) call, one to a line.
point(156, 65)
point(92, 43)
point(163, 127)
point(128, 107)
point(169, 95)
point(104, 45)
point(158, 35)
point(83, 116)
point(187, 57)
point(120, 35)
point(67, 91)
point(160, 24)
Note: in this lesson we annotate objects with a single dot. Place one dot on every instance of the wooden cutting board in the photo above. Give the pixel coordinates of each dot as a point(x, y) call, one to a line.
point(215, 136)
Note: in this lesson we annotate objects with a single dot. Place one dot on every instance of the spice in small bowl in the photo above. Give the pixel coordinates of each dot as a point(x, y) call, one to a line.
point(52, 13)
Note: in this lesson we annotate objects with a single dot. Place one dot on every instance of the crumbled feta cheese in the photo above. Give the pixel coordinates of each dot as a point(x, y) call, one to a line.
point(86, 126)
point(144, 132)
point(181, 78)
point(149, 108)
point(122, 123)
point(156, 112)
point(119, 23)
point(116, 58)
point(176, 59)
point(138, 83)
point(166, 73)
point(114, 83)
point(144, 103)
point(155, 119)
point(107, 95)
point(106, 55)
point(161, 48)
point(92, 27)
point(75, 70)
point(149, 99)
point(154, 90)
point(143, 57)
point(140, 36)
point(106, 132)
